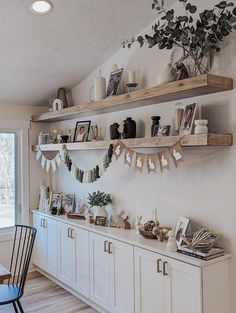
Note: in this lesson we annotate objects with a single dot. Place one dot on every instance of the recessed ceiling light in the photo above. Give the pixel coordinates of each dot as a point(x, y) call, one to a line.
point(41, 6)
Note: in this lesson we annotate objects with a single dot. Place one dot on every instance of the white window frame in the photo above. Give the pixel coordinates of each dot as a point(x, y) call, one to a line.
point(21, 129)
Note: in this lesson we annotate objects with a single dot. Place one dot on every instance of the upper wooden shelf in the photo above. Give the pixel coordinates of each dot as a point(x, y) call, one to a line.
point(201, 140)
point(191, 87)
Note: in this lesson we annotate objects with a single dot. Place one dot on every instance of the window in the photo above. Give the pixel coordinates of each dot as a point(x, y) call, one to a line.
point(7, 179)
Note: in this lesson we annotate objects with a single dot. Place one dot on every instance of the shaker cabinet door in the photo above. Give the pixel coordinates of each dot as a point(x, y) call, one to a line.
point(51, 242)
point(40, 253)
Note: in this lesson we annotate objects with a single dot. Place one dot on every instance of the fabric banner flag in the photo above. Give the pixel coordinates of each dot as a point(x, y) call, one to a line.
point(177, 153)
point(152, 163)
point(139, 162)
point(129, 154)
point(164, 158)
point(119, 147)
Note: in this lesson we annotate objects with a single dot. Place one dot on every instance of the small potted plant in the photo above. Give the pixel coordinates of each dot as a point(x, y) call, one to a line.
point(99, 200)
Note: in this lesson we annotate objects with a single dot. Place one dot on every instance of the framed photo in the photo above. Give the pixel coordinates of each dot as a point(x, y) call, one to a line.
point(100, 220)
point(114, 82)
point(68, 203)
point(164, 130)
point(55, 200)
point(188, 119)
point(82, 131)
point(181, 229)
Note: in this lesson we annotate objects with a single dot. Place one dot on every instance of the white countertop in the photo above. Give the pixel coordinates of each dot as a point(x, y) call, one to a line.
point(131, 237)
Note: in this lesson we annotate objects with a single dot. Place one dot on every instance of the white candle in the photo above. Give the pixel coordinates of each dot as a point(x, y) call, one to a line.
point(131, 77)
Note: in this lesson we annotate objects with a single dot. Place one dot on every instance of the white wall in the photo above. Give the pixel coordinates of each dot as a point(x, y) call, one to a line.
point(203, 188)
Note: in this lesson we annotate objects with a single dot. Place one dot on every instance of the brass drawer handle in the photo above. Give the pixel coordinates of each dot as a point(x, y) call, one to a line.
point(165, 273)
point(72, 234)
point(69, 232)
point(44, 223)
point(110, 247)
point(105, 246)
point(159, 261)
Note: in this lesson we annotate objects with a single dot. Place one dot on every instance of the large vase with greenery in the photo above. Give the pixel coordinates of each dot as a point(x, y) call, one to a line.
point(99, 200)
point(196, 34)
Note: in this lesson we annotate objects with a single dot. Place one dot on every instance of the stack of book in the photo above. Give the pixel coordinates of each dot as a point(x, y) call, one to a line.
point(215, 252)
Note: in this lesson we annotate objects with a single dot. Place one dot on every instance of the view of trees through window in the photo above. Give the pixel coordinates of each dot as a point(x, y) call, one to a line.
point(7, 179)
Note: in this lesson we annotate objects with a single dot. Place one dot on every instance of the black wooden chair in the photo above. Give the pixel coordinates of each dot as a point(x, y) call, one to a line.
point(20, 260)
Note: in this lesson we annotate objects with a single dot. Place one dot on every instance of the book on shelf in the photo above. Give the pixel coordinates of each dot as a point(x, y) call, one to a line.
point(215, 252)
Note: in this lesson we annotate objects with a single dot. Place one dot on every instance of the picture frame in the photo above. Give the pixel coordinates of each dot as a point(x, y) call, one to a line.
point(114, 82)
point(82, 131)
point(164, 131)
point(188, 118)
point(100, 220)
point(68, 201)
point(181, 229)
point(55, 200)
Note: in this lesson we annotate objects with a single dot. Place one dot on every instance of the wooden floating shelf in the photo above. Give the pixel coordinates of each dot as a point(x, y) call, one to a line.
point(191, 87)
point(201, 140)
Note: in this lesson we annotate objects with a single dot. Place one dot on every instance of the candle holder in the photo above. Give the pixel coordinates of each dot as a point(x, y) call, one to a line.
point(132, 87)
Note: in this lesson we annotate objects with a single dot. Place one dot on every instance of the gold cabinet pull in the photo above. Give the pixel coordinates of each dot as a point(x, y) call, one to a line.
point(41, 222)
point(110, 247)
point(69, 232)
point(165, 264)
point(44, 223)
point(159, 261)
point(105, 246)
point(72, 234)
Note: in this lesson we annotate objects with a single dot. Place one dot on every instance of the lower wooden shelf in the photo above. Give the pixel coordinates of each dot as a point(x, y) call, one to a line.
point(201, 140)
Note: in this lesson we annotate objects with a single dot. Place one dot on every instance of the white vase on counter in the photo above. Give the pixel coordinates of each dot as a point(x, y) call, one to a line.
point(100, 211)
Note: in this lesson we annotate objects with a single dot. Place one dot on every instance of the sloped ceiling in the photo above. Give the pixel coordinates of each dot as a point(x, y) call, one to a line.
point(39, 53)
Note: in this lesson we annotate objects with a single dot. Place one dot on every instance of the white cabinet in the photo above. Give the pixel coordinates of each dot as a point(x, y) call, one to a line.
point(111, 274)
point(45, 249)
point(167, 284)
point(73, 258)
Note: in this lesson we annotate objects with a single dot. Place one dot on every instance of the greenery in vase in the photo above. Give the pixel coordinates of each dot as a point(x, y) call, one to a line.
point(99, 199)
point(195, 36)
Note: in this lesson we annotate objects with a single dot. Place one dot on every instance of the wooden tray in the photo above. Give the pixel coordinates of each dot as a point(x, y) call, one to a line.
point(75, 216)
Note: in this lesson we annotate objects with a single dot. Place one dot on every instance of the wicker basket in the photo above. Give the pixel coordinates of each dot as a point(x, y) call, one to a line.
point(146, 233)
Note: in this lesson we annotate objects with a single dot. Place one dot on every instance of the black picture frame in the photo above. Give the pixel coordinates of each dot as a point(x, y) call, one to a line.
point(100, 220)
point(114, 82)
point(83, 136)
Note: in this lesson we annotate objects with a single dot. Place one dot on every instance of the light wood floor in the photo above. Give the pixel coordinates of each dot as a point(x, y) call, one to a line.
point(43, 296)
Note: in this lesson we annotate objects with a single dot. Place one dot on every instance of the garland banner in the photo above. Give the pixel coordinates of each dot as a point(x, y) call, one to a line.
point(48, 164)
point(89, 176)
point(163, 157)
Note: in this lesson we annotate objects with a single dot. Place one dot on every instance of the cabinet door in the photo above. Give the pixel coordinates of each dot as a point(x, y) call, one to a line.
point(51, 242)
point(99, 271)
point(149, 297)
point(182, 287)
point(81, 270)
point(66, 254)
point(122, 277)
point(40, 254)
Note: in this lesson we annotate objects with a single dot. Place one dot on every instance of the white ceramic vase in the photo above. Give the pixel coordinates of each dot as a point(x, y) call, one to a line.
point(201, 127)
point(100, 211)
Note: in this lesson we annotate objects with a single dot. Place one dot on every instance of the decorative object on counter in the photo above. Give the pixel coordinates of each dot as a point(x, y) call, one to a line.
point(54, 211)
point(178, 119)
point(214, 252)
point(114, 82)
point(82, 131)
point(53, 163)
point(57, 105)
point(181, 229)
point(93, 134)
point(188, 119)
point(98, 90)
point(89, 218)
point(139, 162)
point(68, 203)
point(43, 199)
point(64, 138)
point(202, 240)
point(149, 225)
point(201, 127)
point(161, 233)
point(99, 200)
point(155, 125)
point(164, 160)
point(55, 201)
point(138, 223)
point(171, 244)
point(129, 130)
point(146, 229)
point(61, 95)
point(75, 216)
point(122, 220)
point(177, 153)
point(196, 37)
point(114, 131)
point(87, 176)
point(100, 220)
point(164, 130)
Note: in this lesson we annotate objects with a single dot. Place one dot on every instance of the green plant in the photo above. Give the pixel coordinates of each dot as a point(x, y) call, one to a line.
point(99, 199)
point(195, 36)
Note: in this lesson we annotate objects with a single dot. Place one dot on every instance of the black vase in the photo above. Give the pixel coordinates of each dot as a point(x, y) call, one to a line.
point(129, 130)
point(114, 132)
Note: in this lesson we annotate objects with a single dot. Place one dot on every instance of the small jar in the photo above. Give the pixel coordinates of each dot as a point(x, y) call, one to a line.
point(129, 130)
point(201, 127)
point(155, 125)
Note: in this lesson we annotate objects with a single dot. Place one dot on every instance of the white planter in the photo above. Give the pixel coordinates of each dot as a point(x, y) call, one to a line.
point(100, 211)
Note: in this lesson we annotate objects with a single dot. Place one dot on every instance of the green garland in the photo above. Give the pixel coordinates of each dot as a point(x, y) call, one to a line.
point(89, 176)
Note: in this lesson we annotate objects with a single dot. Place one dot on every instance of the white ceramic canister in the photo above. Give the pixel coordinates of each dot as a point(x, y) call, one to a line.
point(201, 127)
point(99, 88)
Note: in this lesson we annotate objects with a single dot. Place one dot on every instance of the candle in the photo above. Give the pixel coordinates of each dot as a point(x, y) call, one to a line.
point(131, 77)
